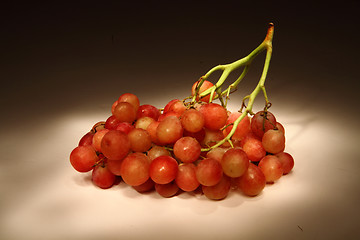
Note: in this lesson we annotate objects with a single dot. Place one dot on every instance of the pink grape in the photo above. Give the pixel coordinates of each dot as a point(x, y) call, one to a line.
point(252, 182)
point(124, 127)
point(216, 153)
point(169, 104)
point(186, 177)
point(287, 161)
point(254, 149)
point(103, 177)
point(192, 120)
point(218, 191)
point(261, 122)
point(167, 114)
point(199, 136)
point(125, 112)
point(243, 128)
point(157, 151)
point(212, 137)
point(143, 122)
point(115, 145)
point(167, 190)
point(234, 162)
point(151, 129)
point(163, 169)
point(148, 110)
point(187, 149)
point(114, 166)
point(111, 123)
point(130, 98)
point(83, 158)
point(169, 130)
point(86, 139)
point(273, 141)
point(271, 167)
point(215, 116)
point(135, 169)
point(206, 85)
point(145, 187)
point(98, 136)
point(140, 140)
point(209, 172)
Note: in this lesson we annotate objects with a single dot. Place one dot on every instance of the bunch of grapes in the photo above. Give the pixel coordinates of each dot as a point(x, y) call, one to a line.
point(189, 145)
point(172, 149)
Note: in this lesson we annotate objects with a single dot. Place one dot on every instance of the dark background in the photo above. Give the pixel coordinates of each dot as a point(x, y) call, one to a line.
point(64, 63)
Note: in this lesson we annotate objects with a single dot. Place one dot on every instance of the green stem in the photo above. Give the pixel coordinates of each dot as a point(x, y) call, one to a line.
point(246, 61)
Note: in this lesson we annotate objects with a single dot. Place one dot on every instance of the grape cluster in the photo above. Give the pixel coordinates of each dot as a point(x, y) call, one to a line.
point(176, 148)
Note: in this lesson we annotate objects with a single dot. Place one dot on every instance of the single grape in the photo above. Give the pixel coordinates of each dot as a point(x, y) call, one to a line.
point(254, 149)
point(130, 98)
point(167, 114)
point(218, 191)
point(167, 190)
point(280, 127)
point(273, 141)
point(206, 85)
point(271, 167)
point(234, 162)
point(212, 137)
point(186, 177)
point(124, 127)
point(115, 145)
point(125, 112)
point(169, 130)
point(163, 169)
point(242, 129)
point(252, 182)
point(98, 136)
point(148, 110)
point(287, 161)
point(103, 177)
point(187, 149)
point(113, 106)
point(157, 151)
point(192, 120)
point(261, 122)
point(114, 166)
point(151, 129)
point(143, 122)
point(199, 136)
point(216, 153)
point(86, 139)
point(112, 122)
point(83, 158)
point(169, 104)
point(209, 172)
point(140, 140)
point(145, 187)
point(135, 169)
point(215, 116)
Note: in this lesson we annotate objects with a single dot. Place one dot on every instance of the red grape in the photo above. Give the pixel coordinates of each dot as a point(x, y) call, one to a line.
point(216, 153)
point(157, 151)
point(209, 172)
point(167, 190)
point(145, 187)
point(125, 127)
point(98, 136)
point(103, 177)
point(135, 169)
point(169, 130)
point(114, 166)
point(271, 167)
point(192, 120)
point(148, 110)
point(115, 145)
point(83, 158)
point(287, 161)
point(273, 141)
point(163, 169)
point(215, 116)
point(186, 177)
point(125, 112)
point(252, 182)
point(234, 162)
point(112, 122)
point(140, 140)
point(187, 149)
point(206, 85)
point(130, 98)
point(261, 122)
point(254, 149)
point(218, 191)
point(143, 122)
point(242, 129)
point(86, 139)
